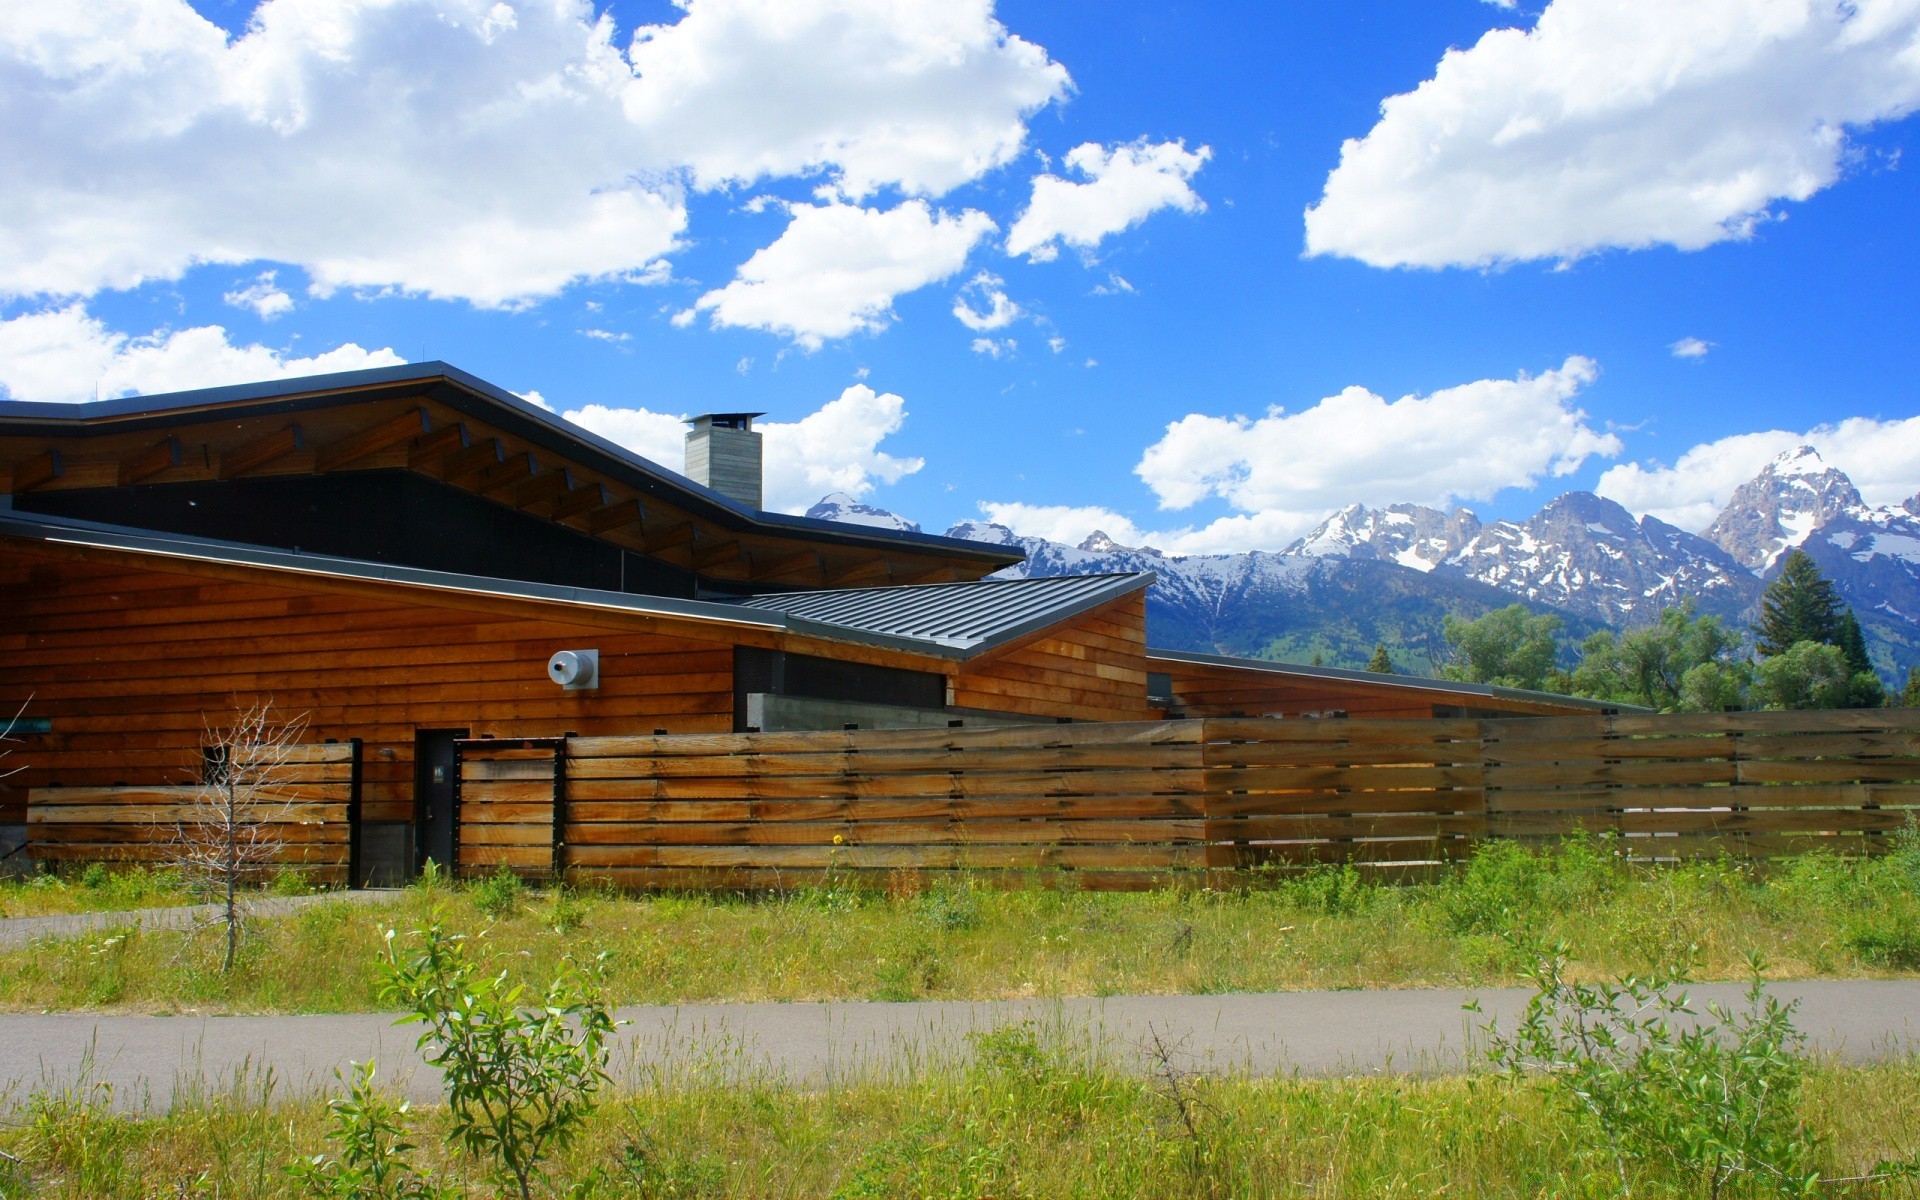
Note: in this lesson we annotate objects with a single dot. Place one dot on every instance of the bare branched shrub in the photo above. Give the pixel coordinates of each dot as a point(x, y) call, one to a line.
point(229, 834)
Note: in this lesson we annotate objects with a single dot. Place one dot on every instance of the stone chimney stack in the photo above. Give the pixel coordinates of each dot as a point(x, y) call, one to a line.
point(723, 453)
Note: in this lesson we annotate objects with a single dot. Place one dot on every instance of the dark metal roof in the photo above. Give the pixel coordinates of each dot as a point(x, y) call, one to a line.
point(475, 397)
point(1376, 679)
point(1017, 618)
point(965, 616)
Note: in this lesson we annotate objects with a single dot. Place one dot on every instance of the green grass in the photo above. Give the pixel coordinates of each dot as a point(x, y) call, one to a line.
point(95, 888)
point(1023, 1118)
point(1811, 916)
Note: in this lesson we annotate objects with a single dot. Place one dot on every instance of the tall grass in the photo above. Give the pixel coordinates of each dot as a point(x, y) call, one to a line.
point(1816, 915)
point(1022, 1117)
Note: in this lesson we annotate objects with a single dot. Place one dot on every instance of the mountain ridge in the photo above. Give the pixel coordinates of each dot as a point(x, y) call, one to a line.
point(1393, 574)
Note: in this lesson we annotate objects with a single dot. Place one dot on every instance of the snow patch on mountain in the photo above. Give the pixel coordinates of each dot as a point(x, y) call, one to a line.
point(841, 507)
point(1780, 508)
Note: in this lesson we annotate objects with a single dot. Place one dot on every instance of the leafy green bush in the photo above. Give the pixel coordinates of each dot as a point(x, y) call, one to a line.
point(521, 1079)
point(1492, 893)
point(1709, 1098)
point(374, 1158)
point(1335, 890)
point(498, 894)
point(950, 905)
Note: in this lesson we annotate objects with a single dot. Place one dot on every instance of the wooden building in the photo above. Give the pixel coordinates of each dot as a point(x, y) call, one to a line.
point(396, 557)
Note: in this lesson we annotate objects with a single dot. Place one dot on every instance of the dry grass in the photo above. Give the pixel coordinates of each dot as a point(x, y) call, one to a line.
point(1814, 916)
point(1023, 1119)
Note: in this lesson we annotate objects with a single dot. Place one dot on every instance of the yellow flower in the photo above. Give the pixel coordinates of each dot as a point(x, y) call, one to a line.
point(837, 839)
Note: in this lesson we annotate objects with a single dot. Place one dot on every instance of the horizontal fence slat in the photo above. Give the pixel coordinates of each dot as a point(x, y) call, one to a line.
point(1188, 798)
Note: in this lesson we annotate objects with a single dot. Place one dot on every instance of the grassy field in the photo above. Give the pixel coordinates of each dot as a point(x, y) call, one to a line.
point(95, 889)
point(1810, 916)
point(1019, 1120)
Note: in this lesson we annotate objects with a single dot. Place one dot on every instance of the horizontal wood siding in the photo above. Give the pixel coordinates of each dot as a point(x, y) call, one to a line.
point(132, 666)
point(308, 805)
point(1209, 690)
point(1091, 669)
point(1148, 803)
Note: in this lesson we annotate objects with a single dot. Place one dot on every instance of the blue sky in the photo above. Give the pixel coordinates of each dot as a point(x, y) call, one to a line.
point(780, 206)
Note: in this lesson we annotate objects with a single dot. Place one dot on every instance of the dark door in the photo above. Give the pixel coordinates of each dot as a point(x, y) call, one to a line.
point(433, 796)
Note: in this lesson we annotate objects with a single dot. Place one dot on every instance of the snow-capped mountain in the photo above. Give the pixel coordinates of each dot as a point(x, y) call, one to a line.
point(839, 506)
point(1590, 556)
point(1392, 574)
point(1780, 508)
point(1408, 534)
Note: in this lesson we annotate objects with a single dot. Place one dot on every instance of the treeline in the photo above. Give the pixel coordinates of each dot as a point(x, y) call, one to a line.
point(1806, 651)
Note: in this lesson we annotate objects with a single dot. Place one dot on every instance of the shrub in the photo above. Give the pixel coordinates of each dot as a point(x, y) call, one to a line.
point(498, 894)
point(373, 1162)
point(950, 905)
point(1711, 1098)
point(520, 1080)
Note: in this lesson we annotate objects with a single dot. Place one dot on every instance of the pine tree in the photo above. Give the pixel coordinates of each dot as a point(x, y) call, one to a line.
point(1380, 664)
point(1910, 695)
point(1847, 636)
point(1800, 605)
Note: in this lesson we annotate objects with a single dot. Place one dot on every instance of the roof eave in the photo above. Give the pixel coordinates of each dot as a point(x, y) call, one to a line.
point(537, 425)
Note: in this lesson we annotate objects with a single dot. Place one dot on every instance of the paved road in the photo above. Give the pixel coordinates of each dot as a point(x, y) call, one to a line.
point(153, 1059)
point(19, 931)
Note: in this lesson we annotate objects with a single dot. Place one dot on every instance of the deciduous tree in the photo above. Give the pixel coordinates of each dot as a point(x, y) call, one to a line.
point(1509, 647)
point(1651, 666)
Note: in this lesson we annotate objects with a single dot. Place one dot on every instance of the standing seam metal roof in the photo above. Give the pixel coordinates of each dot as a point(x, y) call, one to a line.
point(962, 615)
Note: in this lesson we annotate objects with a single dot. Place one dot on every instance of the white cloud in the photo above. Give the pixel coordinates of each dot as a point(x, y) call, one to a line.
point(535, 398)
point(1470, 441)
point(835, 448)
point(606, 335)
point(1691, 347)
point(996, 309)
point(1881, 457)
point(922, 96)
point(660, 437)
point(1071, 524)
point(1124, 185)
point(1619, 123)
point(66, 354)
point(1285, 472)
point(837, 268)
point(1116, 285)
point(347, 138)
point(1056, 344)
point(263, 296)
point(993, 348)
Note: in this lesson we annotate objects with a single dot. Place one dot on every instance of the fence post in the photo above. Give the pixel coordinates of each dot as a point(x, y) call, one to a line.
point(353, 815)
point(559, 810)
point(453, 813)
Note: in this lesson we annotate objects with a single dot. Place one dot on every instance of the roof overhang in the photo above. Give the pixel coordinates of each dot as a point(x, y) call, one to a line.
point(484, 402)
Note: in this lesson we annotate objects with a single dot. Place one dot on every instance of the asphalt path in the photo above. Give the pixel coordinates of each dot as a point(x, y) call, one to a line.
point(155, 1061)
point(21, 931)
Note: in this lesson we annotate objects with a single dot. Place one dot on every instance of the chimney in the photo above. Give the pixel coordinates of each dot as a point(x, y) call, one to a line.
point(723, 453)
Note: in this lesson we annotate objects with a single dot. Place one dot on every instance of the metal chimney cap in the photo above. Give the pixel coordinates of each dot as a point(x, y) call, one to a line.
point(740, 420)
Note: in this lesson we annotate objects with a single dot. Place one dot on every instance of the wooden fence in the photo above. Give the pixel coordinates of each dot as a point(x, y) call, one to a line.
point(1131, 805)
point(310, 806)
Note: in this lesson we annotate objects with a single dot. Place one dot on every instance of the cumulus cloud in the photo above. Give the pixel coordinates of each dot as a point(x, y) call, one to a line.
point(994, 348)
point(1691, 347)
point(983, 304)
point(1124, 185)
point(837, 268)
point(1881, 457)
point(262, 297)
point(1284, 472)
point(348, 139)
point(923, 97)
point(66, 354)
point(1469, 441)
point(1618, 123)
point(835, 448)
point(1073, 524)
